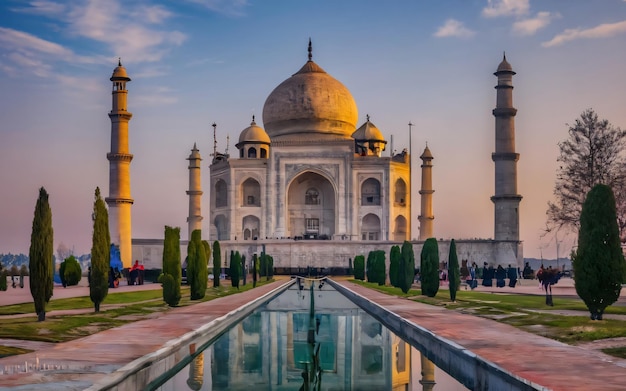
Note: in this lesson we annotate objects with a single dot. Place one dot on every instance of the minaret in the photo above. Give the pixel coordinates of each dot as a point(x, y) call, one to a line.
point(119, 199)
point(426, 195)
point(506, 200)
point(195, 192)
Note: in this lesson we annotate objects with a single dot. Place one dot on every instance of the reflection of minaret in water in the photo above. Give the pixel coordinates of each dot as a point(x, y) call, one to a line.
point(506, 199)
point(428, 374)
point(426, 195)
point(196, 370)
point(195, 192)
point(119, 199)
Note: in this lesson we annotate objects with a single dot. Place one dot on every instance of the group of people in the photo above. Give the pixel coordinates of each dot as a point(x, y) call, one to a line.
point(500, 274)
point(135, 275)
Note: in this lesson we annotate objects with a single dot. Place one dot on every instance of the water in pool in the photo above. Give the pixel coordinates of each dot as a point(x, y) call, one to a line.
point(309, 338)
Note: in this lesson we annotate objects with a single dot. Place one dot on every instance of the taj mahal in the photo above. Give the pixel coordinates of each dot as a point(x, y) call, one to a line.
point(311, 186)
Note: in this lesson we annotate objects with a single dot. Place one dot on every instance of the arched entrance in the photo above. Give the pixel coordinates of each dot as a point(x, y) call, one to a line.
point(311, 207)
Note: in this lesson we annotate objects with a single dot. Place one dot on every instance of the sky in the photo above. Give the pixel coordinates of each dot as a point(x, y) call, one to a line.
point(198, 62)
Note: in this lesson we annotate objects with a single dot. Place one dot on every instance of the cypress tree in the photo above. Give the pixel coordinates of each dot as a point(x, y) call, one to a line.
point(41, 255)
point(406, 269)
point(598, 261)
point(270, 267)
point(100, 253)
point(429, 267)
point(394, 265)
point(172, 272)
point(217, 266)
point(359, 267)
point(197, 268)
point(243, 270)
point(454, 272)
point(235, 266)
point(255, 265)
point(207, 254)
point(370, 268)
point(381, 270)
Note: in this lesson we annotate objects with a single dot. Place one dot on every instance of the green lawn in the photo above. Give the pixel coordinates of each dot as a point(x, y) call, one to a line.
point(129, 307)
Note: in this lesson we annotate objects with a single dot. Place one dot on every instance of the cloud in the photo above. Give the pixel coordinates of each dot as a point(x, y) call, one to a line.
point(606, 30)
point(454, 28)
point(133, 32)
point(226, 7)
point(27, 50)
point(126, 31)
point(496, 8)
point(529, 26)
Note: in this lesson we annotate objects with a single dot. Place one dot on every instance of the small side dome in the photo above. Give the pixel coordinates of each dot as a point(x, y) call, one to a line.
point(368, 132)
point(368, 140)
point(119, 73)
point(253, 134)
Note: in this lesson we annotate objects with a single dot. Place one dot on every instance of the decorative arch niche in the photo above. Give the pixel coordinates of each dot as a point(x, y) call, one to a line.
point(370, 227)
point(311, 207)
point(370, 192)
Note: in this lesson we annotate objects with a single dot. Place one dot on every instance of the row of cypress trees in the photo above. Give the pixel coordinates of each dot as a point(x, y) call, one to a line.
point(402, 267)
point(198, 255)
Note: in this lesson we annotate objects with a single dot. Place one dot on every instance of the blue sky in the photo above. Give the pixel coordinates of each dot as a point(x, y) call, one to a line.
point(196, 62)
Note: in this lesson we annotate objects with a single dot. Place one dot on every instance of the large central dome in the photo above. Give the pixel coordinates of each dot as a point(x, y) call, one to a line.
point(310, 103)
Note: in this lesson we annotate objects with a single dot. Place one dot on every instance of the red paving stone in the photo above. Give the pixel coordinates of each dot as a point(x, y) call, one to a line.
point(111, 349)
point(543, 361)
point(546, 362)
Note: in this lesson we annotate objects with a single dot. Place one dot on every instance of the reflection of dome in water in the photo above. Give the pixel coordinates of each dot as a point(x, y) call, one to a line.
point(310, 102)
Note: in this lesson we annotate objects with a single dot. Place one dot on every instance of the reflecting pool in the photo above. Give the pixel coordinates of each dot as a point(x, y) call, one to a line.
point(309, 338)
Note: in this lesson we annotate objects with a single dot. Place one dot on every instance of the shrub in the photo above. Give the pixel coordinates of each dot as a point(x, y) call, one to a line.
point(235, 267)
point(255, 266)
point(197, 268)
point(72, 272)
point(370, 268)
point(359, 267)
point(454, 271)
point(394, 265)
point(171, 295)
point(381, 270)
point(406, 270)
point(217, 266)
point(172, 272)
point(429, 267)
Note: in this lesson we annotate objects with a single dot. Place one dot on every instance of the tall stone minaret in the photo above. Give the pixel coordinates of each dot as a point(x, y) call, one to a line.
point(506, 200)
point(426, 194)
point(195, 192)
point(119, 199)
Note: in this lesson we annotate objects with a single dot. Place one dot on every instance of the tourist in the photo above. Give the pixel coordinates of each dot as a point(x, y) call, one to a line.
point(512, 274)
point(500, 276)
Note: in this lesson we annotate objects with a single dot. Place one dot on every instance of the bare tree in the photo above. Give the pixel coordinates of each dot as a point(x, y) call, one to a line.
point(594, 153)
point(63, 252)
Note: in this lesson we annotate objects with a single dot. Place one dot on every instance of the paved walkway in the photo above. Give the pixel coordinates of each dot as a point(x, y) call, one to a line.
point(550, 363)
point(84, 361)
point(75, 365)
